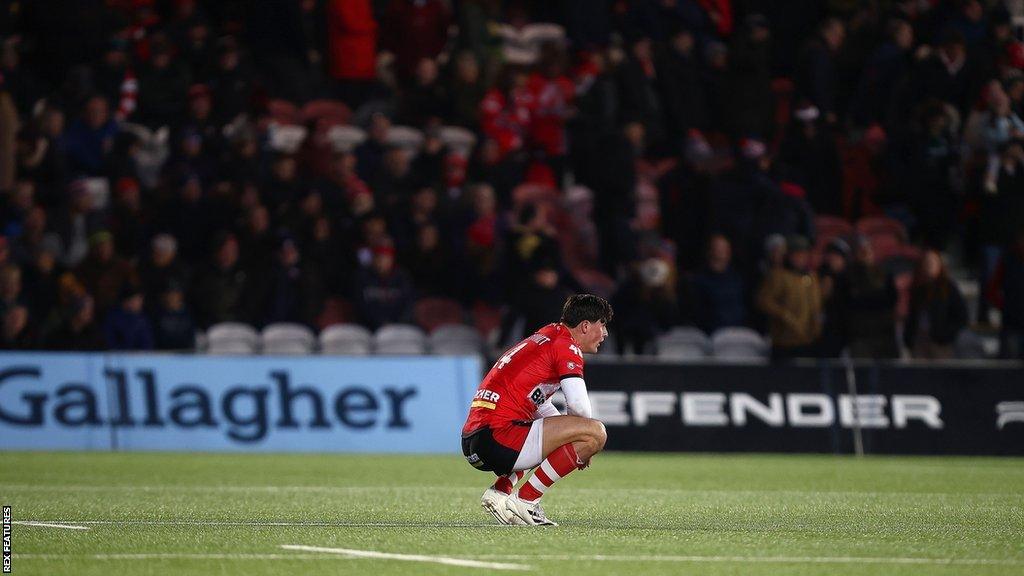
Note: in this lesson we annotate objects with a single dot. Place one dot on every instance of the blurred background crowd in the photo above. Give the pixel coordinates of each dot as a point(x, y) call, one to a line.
point(839, 176)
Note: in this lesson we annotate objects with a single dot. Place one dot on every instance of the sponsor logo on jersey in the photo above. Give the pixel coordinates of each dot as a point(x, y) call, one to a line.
point(485, 399)
point(537, 396)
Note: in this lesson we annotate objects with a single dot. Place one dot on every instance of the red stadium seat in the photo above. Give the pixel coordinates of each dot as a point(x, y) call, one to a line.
point(486, 318)
point(828, 227)
point(873, 225)
point(433, 312)
point(332, 111)
point(284, 112)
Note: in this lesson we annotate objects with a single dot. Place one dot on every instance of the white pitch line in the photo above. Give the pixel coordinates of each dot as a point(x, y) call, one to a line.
point(49, 525)
point(258, 524)
point(181, 556)
point(408, 557)
point(756, 559)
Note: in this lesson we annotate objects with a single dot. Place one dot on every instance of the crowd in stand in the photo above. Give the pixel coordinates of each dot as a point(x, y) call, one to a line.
point(166, 165)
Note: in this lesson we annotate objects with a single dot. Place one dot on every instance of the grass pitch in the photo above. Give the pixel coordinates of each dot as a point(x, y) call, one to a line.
point(628, 514)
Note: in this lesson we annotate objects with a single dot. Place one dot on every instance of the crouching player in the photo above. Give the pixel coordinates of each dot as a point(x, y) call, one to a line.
point(513, 427)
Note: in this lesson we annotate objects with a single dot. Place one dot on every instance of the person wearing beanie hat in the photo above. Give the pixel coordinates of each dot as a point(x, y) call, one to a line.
point(383, 292)
point(835, 290)
point(126, 327)
point(791, 299)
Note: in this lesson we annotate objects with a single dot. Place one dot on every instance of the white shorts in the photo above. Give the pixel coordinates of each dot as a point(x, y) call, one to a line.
point(532, 452)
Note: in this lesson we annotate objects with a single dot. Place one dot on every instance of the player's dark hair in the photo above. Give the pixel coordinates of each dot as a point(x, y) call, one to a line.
point(582, 307)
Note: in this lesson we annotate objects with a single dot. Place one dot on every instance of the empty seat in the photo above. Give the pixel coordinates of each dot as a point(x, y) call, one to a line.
point(684, 343)
point(287, 338)
point(399, 339)
point(333, 110)
point(347, 339)
point(232, 338)
point(433, 312)
point(345, 138)
point(458, 140)
point(737, 343)
point(875, 225)
point(405, 137)
point(828, 227)
point(455, 339)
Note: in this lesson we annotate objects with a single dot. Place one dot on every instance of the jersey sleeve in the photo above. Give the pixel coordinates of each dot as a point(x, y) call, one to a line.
point(568, 359)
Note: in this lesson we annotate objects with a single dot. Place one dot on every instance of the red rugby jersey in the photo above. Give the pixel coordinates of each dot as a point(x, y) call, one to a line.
point(525, 377)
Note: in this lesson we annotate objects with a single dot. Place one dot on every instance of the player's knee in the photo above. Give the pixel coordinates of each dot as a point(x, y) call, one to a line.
point(598, 434)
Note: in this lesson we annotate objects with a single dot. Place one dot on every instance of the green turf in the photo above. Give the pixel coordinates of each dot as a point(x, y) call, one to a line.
point(643, 514)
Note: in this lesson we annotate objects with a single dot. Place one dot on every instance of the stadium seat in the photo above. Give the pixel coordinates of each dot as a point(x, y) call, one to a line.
point(455, 339)
point(399, 339)
point(737, 343)
point(346, 339)
point(232, 338)
point(433, 312)
point(335, 111)
point(876, 225)
point(829, 227)
point(457, 139)
point(287, 338)
point(487, 319)
point(345, 138)
point(684, 343)
point(284, 112)
point(286, 138)
point(405, 137)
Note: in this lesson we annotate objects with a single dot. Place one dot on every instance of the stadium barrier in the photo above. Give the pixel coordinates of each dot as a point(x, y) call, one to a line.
point(51, 401)
point(899, 408)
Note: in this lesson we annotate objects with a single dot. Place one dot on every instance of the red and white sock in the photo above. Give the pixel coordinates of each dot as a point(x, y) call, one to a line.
point(507, 483)
point(557, 465)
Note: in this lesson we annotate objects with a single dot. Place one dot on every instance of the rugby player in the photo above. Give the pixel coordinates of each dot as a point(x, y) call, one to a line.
point(512, 426)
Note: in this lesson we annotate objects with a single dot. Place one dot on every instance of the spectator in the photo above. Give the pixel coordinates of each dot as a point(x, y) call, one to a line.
point(17, 333)
point(351, 45)
point(126, 327)
point(428, 263)
point(467, 91)
point(872, 306)
point(41, 280)
point(103, 273)
point(647, 305)
point(683, 87)
point(1004, 289)
point(230, 82)
point(221, 289)
point(78, 330)
point(536, 301)
point(161, 268)
point(719, 290)
point(937, 310)
point(809, 157)
point(173, 327)
point(90, 139)
point(383, 292)
point(11, 295)
point(424, 101)
point(816, 78)
point(835, 290)
point(294, 290)
point(790, 297)
point(414, 30)
point(163, 85)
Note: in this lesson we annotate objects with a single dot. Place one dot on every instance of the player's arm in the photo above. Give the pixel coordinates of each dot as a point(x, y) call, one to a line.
point(577, 402)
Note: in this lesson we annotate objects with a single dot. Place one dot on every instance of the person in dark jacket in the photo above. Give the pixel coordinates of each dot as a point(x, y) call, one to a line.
point(173, 326)
point(383, 292)
point(719, 290)
point(835, 289)
point(647, 304)
point(1006, 290)
point(126, 327)
point(937, 310)
point(872, 306)
point(78, 331)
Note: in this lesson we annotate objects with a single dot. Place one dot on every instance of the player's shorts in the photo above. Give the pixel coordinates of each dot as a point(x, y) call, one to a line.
point(515, 445)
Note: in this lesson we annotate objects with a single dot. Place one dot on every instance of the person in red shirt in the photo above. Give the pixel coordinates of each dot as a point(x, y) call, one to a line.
point(512, 425)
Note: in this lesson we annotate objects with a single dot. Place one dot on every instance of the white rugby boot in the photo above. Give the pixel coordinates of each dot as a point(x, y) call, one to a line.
point(527, 513)
point(493, 501)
